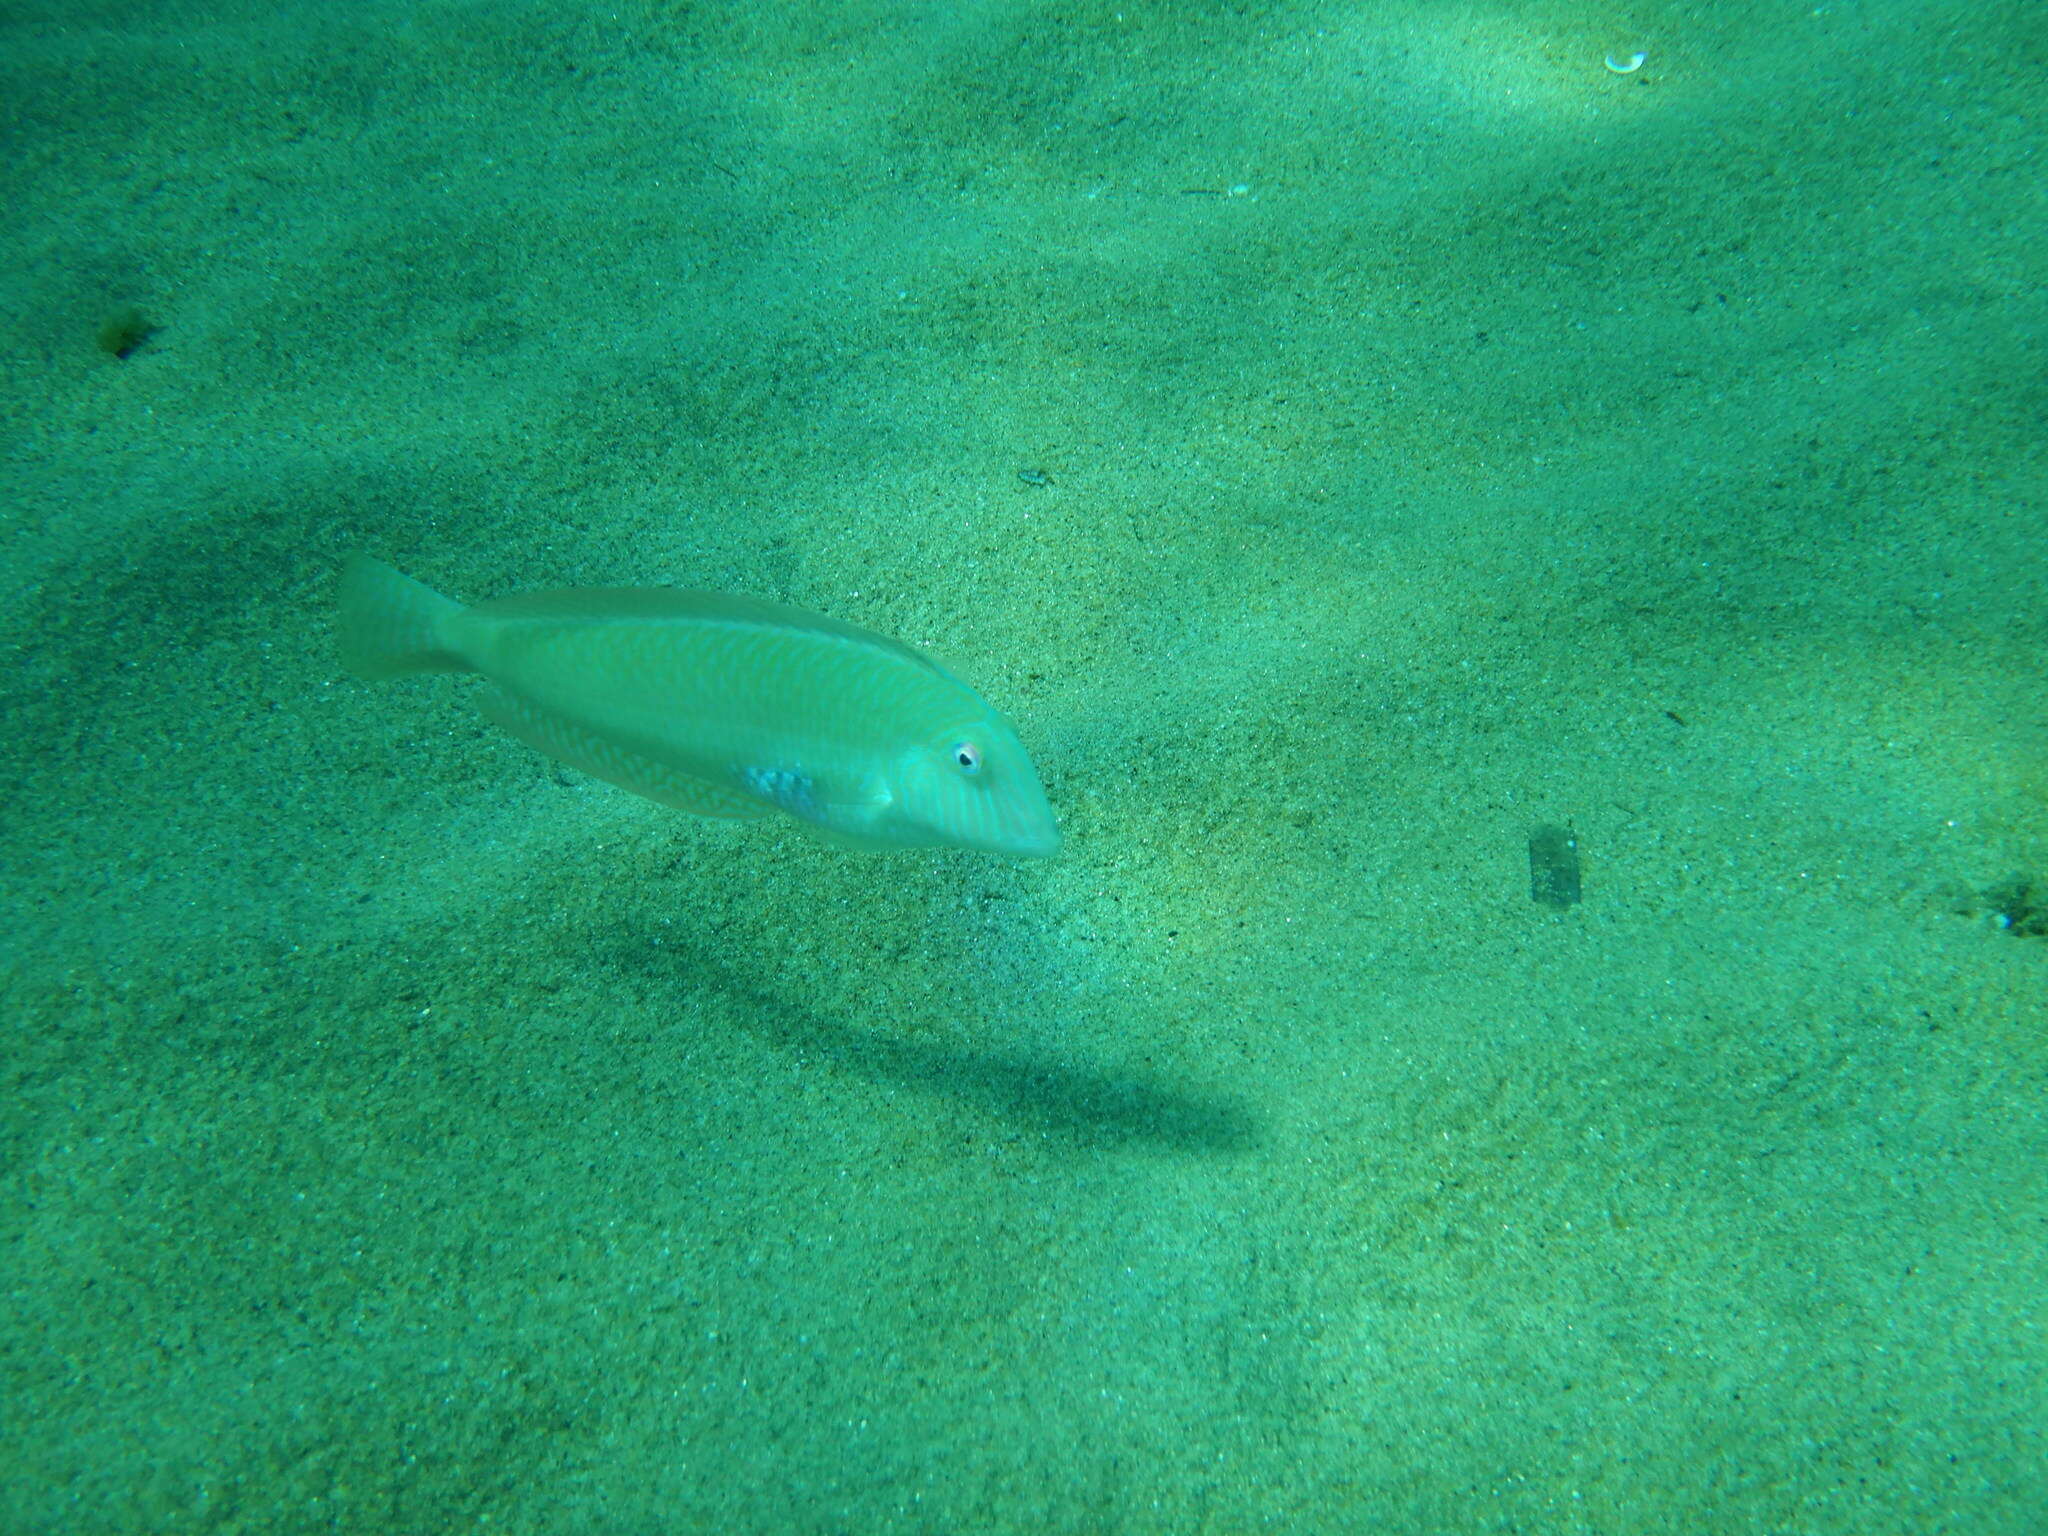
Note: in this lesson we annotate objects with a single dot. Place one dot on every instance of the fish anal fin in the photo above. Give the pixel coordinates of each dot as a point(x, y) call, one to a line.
point(569, 743)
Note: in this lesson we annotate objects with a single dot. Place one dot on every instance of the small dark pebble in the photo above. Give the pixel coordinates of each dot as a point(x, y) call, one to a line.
point(1553, 867)
point(2020, 904)
point(123, 332)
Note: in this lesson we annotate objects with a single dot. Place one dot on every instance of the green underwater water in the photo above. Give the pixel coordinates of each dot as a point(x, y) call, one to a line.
point(1347, 440)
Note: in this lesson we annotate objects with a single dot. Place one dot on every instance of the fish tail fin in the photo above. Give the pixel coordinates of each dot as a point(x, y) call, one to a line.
point(392, 625)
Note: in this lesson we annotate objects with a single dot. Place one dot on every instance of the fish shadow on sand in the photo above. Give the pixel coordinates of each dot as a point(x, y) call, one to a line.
point(1076, 1104)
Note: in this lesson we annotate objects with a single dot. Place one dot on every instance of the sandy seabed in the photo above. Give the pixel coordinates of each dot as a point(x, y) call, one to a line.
point(1346, 440)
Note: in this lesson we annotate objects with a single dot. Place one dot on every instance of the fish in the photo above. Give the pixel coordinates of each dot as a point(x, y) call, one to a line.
point(722, 706)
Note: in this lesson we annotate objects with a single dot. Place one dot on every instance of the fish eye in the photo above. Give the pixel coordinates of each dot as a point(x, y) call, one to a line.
point(967, 755)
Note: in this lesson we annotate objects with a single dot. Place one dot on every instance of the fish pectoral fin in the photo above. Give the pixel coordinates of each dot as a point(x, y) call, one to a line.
point(850, 823)
point(567, 742)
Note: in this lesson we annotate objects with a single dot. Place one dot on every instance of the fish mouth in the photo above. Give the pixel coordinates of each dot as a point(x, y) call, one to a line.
point(1019, 831)
point(1037, 843)
point(1028, 830)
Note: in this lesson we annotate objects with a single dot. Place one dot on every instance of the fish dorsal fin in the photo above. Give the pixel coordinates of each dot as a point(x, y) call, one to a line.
point(597, 605)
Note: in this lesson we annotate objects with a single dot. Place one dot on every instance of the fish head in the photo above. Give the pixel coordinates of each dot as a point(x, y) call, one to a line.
point(973, 786)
